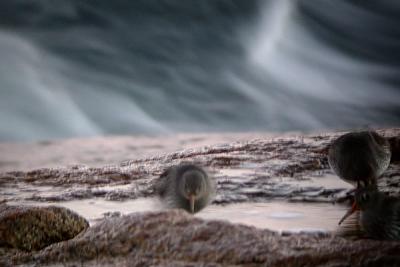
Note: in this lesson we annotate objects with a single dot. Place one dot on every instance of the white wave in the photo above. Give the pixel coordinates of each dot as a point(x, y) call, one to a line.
point(39, 101)
point(292, 62)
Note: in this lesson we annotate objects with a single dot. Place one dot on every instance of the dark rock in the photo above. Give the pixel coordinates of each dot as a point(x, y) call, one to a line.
point(33, 228)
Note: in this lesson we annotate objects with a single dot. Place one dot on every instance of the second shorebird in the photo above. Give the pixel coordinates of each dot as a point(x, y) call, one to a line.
point(380, 214)
point(360, 157)
point(186, 186)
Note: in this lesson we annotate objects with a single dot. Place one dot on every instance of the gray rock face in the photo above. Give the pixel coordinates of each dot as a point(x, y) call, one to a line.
point(33, 228)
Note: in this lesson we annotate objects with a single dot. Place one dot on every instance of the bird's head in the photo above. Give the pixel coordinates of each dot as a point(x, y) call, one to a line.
point(193, 186)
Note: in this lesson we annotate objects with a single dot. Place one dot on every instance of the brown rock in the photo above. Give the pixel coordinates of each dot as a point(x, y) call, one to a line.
point(175, 238)
point(33, 228)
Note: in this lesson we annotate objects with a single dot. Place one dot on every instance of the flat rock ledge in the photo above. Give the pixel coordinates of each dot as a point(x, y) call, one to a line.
point(33, 228)
point(246, 171)
point(175, 238)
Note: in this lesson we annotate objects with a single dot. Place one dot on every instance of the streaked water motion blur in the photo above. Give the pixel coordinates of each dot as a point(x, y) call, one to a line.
point(94, 67)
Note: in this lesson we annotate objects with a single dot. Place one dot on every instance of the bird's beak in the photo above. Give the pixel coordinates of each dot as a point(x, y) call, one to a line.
point(353, 208)
point(191, 199)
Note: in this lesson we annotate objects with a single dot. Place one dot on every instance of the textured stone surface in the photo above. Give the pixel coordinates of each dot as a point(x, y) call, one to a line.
point(100, 151)
point(33, 228)
point(176, 238)
point(265, 168)
point(260, 169)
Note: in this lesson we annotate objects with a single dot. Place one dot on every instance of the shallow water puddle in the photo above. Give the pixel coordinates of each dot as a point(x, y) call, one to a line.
point(287, 212)
point(275, 215)
point(280, 216)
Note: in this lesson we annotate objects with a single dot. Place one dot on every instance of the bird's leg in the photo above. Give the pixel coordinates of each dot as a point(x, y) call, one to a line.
point(353, 208)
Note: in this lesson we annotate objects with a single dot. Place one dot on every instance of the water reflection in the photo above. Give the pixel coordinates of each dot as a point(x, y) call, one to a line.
point(280, 216)
point(276, 215)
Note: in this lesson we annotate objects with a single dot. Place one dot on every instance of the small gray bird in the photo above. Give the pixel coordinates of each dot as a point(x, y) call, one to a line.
point(186, 186)
point(360, 158)
point(380, 214)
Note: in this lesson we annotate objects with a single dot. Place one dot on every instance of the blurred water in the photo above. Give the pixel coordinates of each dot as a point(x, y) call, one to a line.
point(83, 68)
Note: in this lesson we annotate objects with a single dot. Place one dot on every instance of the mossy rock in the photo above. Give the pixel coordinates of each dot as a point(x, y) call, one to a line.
point(33, 228)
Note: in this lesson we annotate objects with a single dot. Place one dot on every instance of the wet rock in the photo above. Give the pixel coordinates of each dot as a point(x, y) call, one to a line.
point(258, 164)
point(175, 238)
point(260, 169)
point(33, 228)
point(112, 214)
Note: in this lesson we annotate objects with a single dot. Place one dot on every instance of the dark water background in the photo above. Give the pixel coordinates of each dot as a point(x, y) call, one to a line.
point(95, 67)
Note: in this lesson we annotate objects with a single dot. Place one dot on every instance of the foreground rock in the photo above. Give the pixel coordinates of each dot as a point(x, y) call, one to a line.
point(33, 228)
point(177, 239)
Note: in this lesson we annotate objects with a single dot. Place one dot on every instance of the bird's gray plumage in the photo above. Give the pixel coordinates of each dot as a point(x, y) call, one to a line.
point(380, 214)
point(359, 157)
point(177, 182)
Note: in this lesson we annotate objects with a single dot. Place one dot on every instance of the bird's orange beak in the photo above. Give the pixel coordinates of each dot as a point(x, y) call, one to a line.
point(191, 200)
point(353, 208)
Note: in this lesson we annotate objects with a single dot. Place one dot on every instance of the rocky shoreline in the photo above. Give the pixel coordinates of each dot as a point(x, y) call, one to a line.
point(253, 170)
point(175, 238)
